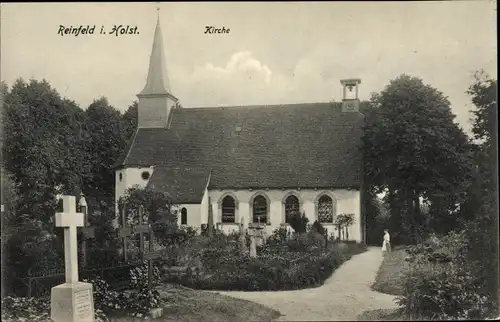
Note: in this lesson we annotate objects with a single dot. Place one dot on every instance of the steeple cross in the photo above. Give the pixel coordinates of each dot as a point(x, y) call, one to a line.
point(158, 13)
point(69, 219)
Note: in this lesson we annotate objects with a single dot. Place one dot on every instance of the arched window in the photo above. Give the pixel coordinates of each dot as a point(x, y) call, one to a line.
point(228, 209)
point(292, 205)
point(184, 216)
point(260, 209)
point(325, 209)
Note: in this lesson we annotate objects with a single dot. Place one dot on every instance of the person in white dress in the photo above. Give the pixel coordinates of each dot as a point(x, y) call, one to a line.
point(386, 244)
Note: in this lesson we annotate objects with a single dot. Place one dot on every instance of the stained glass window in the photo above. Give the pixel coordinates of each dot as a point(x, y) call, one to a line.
point(292, 206)
point(260, 209)
point(325, 209)
point(228, 210)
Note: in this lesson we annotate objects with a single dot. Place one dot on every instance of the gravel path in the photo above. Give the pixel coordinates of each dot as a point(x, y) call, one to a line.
point(344, 295)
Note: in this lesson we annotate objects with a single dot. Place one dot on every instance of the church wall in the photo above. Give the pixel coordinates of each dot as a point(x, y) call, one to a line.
point(203, 210)
point(347, 201)
point(193, 217)
point(129, 178)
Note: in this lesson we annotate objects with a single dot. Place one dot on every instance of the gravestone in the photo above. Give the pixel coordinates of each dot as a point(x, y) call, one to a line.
point(256, 234)
point(242, 238)
point(72, 301)
point(88, 231)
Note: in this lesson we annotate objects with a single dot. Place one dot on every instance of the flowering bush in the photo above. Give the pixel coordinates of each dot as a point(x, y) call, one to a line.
point(136, 302)
point(439, 283)
point(139, 276)
point(32, 309)
point(25, 309)
point(142, 301)
point(278, 236)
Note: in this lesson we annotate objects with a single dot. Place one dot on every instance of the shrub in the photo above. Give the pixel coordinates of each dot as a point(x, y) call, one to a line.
point(136, 302)
point(298, 222)
point(305, 242)
point(318, 227)
point(139, 276)
point(439, 283)
point(279, 236)
point(19, 308)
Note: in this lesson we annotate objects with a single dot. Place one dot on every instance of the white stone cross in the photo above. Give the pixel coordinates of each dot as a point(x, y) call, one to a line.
point(69, 219)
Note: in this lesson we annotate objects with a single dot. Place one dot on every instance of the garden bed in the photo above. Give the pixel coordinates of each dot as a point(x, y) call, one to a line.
point(273, 270)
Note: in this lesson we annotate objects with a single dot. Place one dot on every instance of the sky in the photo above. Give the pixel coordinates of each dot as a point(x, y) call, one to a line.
point(275, 52)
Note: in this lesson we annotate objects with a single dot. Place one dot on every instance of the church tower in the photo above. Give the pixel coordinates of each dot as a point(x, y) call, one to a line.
point(350, 99)
point(156, 100)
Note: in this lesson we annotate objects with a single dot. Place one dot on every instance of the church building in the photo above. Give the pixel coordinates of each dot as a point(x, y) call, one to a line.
point(256, 164)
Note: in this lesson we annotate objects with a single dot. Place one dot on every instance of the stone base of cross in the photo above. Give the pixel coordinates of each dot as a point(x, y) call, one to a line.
point(72, 301)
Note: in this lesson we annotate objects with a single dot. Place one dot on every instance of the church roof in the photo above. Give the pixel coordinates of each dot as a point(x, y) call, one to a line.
point(182, 184)
point(157, 81)
point(281, 146)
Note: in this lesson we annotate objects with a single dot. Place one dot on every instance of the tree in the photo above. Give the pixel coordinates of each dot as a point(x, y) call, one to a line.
point(343, 222)
point(481, 207)
point(130, 120)
point(42, 159)
point(414, 150)
point(43, 151)
point(104, 140)
point(157, 208)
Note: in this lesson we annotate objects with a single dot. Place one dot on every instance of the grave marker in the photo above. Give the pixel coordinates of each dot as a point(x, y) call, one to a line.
point(88, 231)
point(124, 232)
point(150, 256)
point(141, 229)
point(243, 240)
point(254, 232)
point(72, 301)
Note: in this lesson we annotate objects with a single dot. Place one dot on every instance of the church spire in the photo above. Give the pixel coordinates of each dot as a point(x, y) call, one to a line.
point(157, 81)
point(156, 101)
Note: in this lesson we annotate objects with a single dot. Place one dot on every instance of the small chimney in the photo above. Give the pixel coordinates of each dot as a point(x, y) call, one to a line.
point(350, 98)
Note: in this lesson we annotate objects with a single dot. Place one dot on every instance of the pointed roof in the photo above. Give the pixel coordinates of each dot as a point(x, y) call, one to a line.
point(157, 81)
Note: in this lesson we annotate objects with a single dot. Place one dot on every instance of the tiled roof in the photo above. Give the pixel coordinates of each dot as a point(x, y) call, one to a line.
point(280, 146)
point(183, 185)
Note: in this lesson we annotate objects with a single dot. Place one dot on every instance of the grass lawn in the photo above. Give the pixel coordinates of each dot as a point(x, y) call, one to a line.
point(186, 305)
point(388, 281)
point(381, 315)
point(391, 272)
